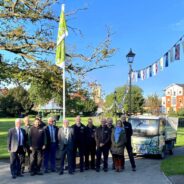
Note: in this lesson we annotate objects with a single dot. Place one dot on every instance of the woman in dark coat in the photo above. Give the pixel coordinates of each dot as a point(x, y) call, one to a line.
point(118, 139)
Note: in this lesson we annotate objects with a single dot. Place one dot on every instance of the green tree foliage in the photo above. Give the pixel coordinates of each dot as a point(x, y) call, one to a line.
point(16, 101)
point(180, 112)
point(81, 103)
point(33, 52)
point(137, 100)
point(172, 112)
point(153, 104)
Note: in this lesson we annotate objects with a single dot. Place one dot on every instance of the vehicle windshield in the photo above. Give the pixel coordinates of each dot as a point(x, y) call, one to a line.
point(144, 127)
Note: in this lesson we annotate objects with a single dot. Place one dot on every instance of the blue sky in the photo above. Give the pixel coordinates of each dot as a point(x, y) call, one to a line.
point(150, 28)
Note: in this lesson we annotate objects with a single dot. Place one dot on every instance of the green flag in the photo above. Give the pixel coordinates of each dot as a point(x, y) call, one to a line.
point(62, 33)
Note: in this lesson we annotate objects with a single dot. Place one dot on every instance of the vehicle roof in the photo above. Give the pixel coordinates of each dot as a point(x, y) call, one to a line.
point(146, 117)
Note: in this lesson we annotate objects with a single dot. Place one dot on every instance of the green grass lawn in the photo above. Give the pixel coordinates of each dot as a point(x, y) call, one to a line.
point(173, 165)
point(7, 123)
point(180, 137)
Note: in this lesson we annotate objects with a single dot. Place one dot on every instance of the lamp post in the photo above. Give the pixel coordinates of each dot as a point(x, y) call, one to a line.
point(115, 102)
point(130, 58)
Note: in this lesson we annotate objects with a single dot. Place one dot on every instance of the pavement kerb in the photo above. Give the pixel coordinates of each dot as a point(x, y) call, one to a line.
point(168, 180)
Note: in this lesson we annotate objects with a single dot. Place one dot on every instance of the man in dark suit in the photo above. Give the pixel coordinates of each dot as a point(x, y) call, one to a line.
point(128, 144)
point(102, 137)
point(51, 147)
point(111, 127)
point(16, 146)
point(37, 143)
point(90, 145)
point(66, 143)
point(79, 142)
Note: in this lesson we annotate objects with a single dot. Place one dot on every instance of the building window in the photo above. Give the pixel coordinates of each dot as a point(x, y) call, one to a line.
point(179, 92)
point(174, 94)
point(173, 101)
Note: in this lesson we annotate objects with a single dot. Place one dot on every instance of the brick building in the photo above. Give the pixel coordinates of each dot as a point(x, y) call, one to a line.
point(173, 98)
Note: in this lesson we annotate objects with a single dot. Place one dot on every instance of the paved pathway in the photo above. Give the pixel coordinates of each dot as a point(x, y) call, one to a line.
point(148, 172)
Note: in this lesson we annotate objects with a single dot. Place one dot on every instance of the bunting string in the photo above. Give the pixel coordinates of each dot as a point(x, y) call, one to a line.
point(172, 55)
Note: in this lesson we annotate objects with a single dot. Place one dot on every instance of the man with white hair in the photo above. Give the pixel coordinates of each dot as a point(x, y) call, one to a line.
point(16, 145)
point(51, 146)
point(66, 145)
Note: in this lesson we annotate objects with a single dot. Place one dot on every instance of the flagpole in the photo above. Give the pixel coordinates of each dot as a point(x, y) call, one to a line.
point(60, 53)
point(64, 98)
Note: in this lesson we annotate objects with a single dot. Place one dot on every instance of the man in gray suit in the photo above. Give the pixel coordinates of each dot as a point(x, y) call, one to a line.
point(16, 146)
point(66, 144)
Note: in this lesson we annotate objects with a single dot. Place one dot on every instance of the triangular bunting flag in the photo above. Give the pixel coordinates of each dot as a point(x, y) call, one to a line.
point(171, 55)
point(166, 60)
point(177, 52)
point(161, 62)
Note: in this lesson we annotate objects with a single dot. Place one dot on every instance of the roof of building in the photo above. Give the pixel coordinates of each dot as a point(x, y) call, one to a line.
point(51, 105)
point(182, 85)
point(174, 84)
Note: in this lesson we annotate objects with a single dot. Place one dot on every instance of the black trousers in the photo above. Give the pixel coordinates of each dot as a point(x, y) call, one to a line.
point(128, 147)
point(81, 150)
point(16, 161)
point(66, 152)
point(26, 160)
point(36, 158)
point(90, 152)
point(105, 151)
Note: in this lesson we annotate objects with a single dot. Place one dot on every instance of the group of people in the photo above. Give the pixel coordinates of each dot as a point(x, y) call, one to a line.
point(40, 142)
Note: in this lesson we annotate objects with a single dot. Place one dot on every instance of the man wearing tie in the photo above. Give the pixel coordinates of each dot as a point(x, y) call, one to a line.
point(52, 142)
point(16, 146)
point(66, 143)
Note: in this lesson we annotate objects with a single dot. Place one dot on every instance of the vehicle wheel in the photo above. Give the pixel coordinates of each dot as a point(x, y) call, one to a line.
point(171, 152)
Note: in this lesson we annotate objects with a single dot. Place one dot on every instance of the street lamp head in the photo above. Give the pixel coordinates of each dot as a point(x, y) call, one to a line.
point(130, 57)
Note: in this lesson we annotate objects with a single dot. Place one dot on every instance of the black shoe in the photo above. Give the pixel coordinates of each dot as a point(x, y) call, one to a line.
point(13, 177)
point(53, 170)
point(32, 173)
point(81, 170)
point(39, 173)
point(133, 169)
point(86, 168)
point(105, 169)
point(46, 171)
point(70, 173)
point(97, 170)
point(20, 175)
point(61, 173)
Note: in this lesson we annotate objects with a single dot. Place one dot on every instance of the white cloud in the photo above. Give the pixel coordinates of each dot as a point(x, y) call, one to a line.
point(178, 26)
